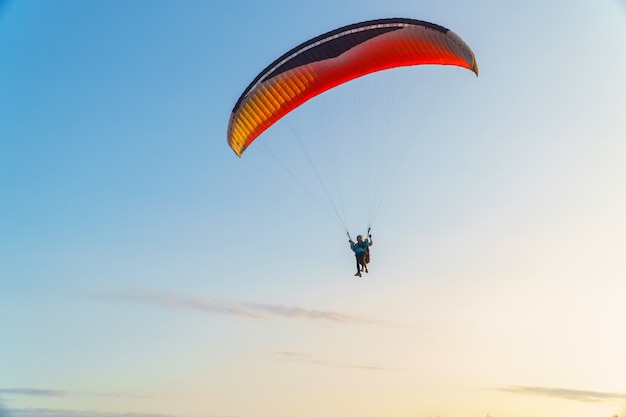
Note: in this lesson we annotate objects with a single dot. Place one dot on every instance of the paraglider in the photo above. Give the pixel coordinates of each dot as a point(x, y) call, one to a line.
point(335, 58)
point(361, 249)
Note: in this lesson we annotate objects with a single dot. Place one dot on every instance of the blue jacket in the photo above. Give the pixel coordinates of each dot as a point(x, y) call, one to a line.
point(360, 247)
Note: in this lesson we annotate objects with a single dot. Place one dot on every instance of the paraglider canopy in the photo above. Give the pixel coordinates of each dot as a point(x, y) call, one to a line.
point(334, 58)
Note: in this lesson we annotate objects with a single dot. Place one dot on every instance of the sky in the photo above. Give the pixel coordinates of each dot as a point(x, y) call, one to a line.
point(146, 271)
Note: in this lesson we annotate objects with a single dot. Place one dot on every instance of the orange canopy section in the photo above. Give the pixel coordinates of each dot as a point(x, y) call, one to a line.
point(335, 58)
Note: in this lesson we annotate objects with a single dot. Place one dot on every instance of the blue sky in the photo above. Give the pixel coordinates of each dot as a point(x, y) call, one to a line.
point(146, 270)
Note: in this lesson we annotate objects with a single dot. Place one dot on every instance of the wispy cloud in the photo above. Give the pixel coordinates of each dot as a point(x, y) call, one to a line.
point(309, 314)
point(36, 392)
point(253, 310)
point(46, 412)
point(33, 392)
point(174, 301)
point(565, 393)
point(112, 395)
point(304, 357)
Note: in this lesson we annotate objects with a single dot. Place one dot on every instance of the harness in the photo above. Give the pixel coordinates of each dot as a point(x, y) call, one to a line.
point(366, 254)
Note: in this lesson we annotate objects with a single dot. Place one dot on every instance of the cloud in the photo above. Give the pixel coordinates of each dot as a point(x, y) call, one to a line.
point(174, 301)
point(303, 357)
point(33, 392)
point(113, 395)
point(309, 314)
point(565, 393)
point(3, 412)
point(253, 310)
point(46, 412)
